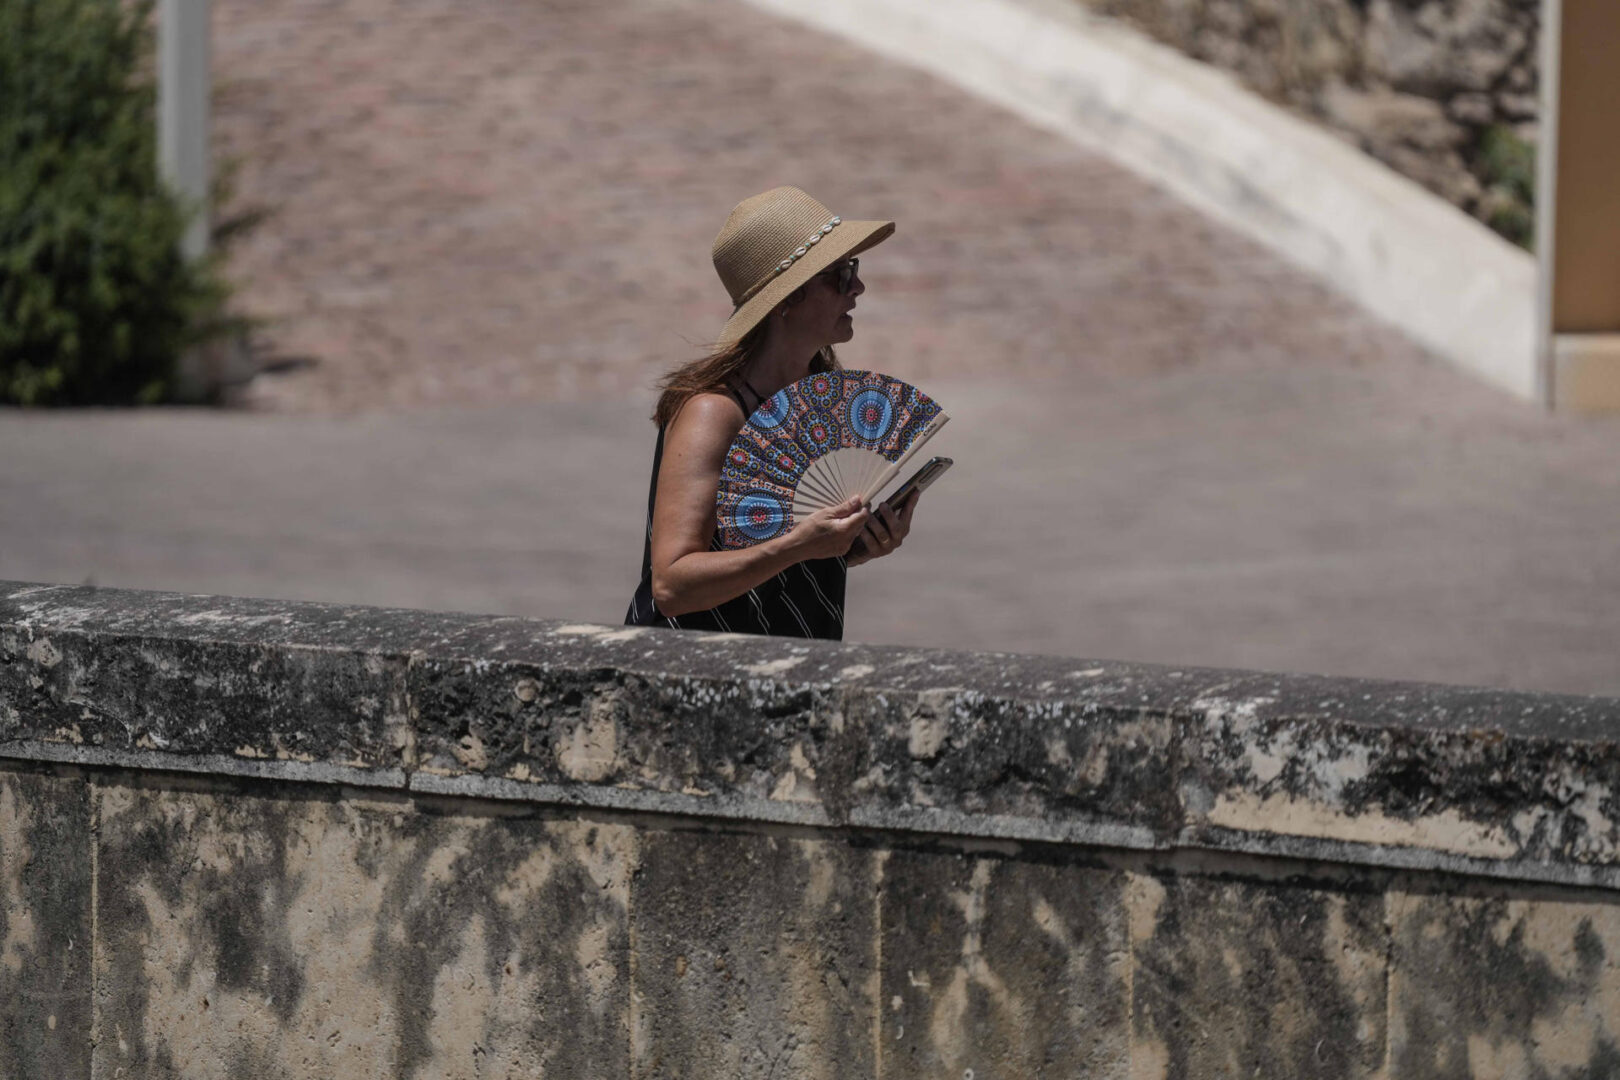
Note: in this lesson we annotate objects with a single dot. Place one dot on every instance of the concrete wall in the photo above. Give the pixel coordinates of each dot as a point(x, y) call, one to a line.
point(1444, 93)
point(254, 838)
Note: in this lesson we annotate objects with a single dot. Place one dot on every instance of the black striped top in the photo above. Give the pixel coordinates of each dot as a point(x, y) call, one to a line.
point(805, 600)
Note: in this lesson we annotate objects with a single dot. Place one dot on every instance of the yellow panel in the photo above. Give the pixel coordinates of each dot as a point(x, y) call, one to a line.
point(1586, 372)
point(1586, 279)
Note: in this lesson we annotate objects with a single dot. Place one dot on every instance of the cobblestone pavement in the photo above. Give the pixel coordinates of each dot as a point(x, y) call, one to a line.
point(493, 200)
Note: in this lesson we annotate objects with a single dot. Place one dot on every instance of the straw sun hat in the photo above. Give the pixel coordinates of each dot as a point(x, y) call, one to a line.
point(775, 242)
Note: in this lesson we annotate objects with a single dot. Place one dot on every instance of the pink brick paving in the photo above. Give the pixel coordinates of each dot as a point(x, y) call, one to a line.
point(496, 201)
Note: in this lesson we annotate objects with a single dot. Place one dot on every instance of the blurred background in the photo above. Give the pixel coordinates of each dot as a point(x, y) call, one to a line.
point(456, 244)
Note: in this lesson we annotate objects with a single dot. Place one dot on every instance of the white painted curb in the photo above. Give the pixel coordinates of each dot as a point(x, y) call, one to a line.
point(1407, 256)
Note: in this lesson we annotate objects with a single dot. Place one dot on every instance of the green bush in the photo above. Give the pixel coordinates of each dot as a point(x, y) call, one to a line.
point(1507, 166)
point(96, 301)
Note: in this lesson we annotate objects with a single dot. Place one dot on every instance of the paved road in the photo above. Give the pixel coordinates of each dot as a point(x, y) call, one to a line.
point(1396, 521)
point(492, 232)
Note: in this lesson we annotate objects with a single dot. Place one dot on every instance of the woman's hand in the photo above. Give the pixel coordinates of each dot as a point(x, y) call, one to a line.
point(884, 532)
point(829, 531)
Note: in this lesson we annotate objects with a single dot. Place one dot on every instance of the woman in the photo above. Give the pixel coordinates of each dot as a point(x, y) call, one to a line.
point(789, 265)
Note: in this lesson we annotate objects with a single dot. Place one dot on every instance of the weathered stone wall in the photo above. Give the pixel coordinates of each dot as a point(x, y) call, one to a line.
point(249, 838)
point(1443, 91)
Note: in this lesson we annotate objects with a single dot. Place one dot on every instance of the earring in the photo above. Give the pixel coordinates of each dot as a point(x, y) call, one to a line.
point(784, 313)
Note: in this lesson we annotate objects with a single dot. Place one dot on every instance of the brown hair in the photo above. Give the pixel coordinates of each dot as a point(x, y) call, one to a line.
point(711, 373)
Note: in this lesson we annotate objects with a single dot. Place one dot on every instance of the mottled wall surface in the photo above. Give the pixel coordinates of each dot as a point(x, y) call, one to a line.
point(45, 936)
point(246, 934)
point(1002, 967)
point(1494, 985)
point(259, 839)
point(253, 929)
point(1259, 978)
point(754, 956)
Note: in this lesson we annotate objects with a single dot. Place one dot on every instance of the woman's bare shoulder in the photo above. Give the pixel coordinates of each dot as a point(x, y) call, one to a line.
point(707, 417)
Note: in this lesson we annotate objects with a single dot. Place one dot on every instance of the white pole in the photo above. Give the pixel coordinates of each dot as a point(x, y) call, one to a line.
point(183, 89)
point(1546, 197)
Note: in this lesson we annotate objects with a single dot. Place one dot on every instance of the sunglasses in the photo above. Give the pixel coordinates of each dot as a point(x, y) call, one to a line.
point(845, 273)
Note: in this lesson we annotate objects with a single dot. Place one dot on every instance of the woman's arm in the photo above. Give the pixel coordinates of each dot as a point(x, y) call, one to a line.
point(686, 575)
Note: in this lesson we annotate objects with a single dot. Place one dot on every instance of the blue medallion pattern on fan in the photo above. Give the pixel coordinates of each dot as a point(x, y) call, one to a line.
point(870, 414)
point(822, 389)
point(761, 515)
point(743, 463)
point(818, 432)
point(797, 426)
point(772, 411)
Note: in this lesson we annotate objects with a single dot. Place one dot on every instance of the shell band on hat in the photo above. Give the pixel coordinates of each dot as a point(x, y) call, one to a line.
point(776, 241)
point(798, 253)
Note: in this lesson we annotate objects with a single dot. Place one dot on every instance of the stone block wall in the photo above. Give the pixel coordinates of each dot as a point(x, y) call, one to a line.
point(1443, 91)
point(251, 838)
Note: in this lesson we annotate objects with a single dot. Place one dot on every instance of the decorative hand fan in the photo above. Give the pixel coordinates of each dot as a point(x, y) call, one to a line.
point(816, 443)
